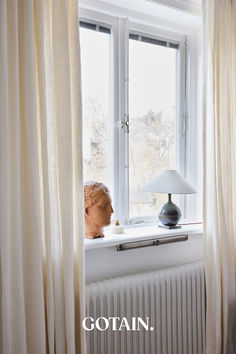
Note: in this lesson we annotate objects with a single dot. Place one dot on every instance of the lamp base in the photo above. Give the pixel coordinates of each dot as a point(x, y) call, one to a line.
point(170, 227)
point(170, 215)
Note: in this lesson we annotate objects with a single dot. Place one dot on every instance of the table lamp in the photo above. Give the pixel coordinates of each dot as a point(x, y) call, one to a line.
point(169, 182)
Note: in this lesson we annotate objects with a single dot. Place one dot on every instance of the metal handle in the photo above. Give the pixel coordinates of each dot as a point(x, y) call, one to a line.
point(153, 242)
point(123, 124)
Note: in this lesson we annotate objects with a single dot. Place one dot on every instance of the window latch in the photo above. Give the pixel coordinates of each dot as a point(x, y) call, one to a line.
point(123, 124)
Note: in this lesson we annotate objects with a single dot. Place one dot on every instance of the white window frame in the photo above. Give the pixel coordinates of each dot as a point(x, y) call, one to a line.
point(119, 152)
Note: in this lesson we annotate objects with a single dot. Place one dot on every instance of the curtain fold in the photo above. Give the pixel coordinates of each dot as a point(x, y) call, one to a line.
point(219, 154)
point(41, 183)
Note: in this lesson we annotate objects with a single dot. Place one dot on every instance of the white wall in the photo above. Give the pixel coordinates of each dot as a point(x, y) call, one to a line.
point(106, 262)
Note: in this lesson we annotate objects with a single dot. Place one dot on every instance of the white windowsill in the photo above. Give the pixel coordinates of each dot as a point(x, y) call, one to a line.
point(132, 234)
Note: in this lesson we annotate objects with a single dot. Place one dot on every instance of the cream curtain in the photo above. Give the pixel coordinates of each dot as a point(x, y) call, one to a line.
point(219, 115)
point(41, 203)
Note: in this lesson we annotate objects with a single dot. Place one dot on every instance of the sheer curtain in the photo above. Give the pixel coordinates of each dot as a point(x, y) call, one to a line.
point(219, 28)
point(41, 192)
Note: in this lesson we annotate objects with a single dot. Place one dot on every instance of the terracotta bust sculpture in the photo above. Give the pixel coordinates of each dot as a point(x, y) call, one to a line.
point(97, 208)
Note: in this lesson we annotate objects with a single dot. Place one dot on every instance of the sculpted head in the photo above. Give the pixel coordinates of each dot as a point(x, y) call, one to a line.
point(97, 208)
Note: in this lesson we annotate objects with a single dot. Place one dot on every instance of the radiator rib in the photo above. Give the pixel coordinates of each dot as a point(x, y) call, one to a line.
point(173, 299)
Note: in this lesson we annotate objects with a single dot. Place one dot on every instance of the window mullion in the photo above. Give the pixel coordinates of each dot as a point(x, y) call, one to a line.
point(182, 116)
point(114, 132)
point(123, 119)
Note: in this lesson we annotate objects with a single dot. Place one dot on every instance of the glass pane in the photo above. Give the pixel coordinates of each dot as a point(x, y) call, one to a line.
point(95, 71)
point(152, 144)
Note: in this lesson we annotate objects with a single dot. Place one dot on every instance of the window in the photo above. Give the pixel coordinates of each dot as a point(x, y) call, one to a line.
point(152, 118)
point(95, 68)
point(133, 86)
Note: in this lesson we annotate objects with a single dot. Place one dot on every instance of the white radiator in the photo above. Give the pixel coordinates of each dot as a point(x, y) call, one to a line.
point(173, 299)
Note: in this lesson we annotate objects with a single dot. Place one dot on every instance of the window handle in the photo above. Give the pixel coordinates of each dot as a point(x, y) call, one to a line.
point(123, 124)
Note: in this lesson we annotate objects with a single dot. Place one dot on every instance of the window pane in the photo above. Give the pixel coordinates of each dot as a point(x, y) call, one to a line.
point(152, 144)
point(95, 71)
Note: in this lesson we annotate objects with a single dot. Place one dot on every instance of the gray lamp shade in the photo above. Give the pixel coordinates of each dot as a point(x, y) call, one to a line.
point(170, 182)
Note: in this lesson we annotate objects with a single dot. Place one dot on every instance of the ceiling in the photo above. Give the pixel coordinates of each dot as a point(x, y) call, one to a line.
point(191, 6)
point(182, 12)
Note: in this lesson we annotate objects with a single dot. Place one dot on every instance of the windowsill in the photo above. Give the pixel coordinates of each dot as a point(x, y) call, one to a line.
point(132, 234)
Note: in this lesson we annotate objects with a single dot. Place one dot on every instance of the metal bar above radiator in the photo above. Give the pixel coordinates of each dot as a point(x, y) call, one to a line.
point(153, 242)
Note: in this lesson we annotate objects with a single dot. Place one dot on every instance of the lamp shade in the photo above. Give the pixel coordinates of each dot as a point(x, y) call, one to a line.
point(169, 181)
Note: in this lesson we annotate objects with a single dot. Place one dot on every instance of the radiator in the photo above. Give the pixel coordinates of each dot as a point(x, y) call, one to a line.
point(172, 298)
